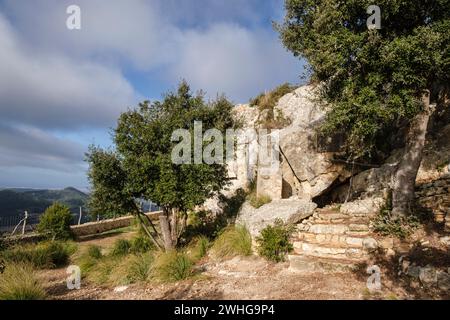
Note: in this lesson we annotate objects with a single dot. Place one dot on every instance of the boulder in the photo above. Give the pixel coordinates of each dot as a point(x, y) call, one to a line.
point(428, 276)
point(363, 206)
point(290, 211)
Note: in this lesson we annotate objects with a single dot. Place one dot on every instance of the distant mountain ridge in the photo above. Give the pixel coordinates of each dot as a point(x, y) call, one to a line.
point(17, 200)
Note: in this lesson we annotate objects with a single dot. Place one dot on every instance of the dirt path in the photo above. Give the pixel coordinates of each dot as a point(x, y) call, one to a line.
point(239, 278)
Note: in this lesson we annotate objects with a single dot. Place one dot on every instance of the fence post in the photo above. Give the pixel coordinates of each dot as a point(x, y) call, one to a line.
point(24, 222)
point(79, 218)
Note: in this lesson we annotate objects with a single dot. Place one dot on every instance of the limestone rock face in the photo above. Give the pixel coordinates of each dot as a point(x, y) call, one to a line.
point(307, 171)
point(290, 211)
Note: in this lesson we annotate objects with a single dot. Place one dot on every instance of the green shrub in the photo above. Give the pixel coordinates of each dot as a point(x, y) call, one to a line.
point(94, 251)
point(233, 241)
point(401, 227)
point(141, 244)
point(45, 255)
point(121, 247)
point(172, 266)
point(257, 202)
point(273, 243)
point(19, 282)
point(55, 222)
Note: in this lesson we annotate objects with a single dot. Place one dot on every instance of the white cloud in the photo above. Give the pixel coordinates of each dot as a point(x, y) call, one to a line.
point(54, 91)
point(72, 82)
point(234, 60)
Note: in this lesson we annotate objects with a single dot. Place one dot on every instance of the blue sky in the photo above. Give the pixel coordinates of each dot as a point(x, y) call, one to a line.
point(61, 90)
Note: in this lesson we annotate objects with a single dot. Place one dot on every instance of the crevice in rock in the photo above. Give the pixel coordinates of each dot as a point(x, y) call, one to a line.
point(328, 197)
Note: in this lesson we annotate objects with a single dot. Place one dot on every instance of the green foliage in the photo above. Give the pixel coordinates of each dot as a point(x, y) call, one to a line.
point(94, 252)
point(121, 247)
point(172, 266)
point(274, 241)
point(142, 167)
point(141, 244)
point(233, 241)
point(19, 282)
point(373, 79)
point(55, 222)
point(110, 197)
point(401, 227)
point(266, 103)
point(45, 255)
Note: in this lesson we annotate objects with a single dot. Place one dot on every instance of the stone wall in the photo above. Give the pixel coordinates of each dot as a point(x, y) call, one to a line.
point(435, 196)
point(93, 228)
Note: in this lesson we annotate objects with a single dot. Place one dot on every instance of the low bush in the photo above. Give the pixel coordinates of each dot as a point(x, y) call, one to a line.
point(274, 242)
point(121, 247)
point(172, 266)
point(45, 255)
point(233, 241)
point(55, 222)
point(94, 251)
point(18, 282)
point(141, 244)
point(402, 227)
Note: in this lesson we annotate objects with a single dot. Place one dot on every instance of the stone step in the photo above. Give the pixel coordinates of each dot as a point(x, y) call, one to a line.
point(324, 251)
point(340, 220)
point(334, 240)
point(325, 228)
point(303, 264)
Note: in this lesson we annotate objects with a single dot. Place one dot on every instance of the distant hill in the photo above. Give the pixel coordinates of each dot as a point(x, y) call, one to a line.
point(16, 201)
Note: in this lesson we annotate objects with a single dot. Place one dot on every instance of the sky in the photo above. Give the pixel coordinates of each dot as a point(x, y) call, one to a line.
point(62, 90)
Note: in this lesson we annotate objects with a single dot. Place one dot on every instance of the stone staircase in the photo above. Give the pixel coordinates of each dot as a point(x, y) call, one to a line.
point(331, 240)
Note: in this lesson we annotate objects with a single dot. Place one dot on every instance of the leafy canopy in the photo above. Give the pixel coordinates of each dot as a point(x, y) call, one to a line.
point(141, 166)
point(373, 79)
point(55, 222)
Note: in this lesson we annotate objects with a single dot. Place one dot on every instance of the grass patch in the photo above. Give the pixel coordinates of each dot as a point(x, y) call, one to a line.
point(45, 255)
point(18, 282)
point(266, 103)
point(198, 248)
point(257, 202)
point(233, 241)
point(274, 241)
point(172, 266)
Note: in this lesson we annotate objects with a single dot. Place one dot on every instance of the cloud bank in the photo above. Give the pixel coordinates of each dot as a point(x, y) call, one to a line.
point(58, 83)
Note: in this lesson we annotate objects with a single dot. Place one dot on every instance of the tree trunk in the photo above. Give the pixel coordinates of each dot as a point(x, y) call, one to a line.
point(174, 226)
point(165, 223)
point(405, 176)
